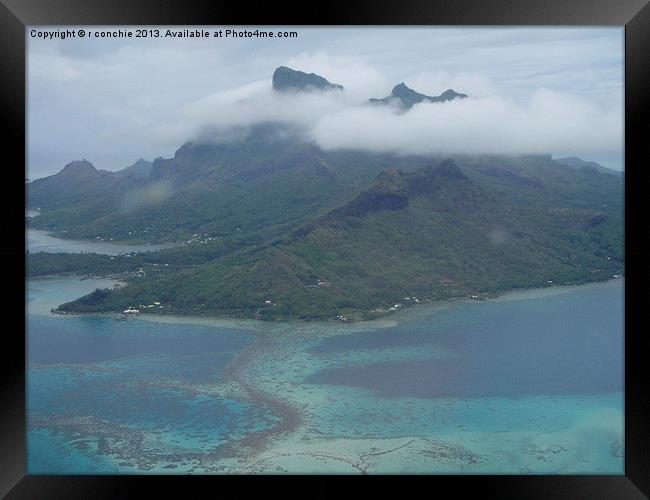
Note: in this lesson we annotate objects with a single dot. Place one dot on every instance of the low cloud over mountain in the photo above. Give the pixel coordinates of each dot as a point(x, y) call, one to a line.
point(408, 122)
point(114, 102)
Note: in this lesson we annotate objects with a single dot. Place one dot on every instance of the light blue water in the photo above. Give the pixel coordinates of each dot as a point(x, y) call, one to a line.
point(104, 392)
point(522, 386)
point(527, 385)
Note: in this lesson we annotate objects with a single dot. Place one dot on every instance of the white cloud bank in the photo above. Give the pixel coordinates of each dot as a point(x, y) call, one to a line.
point(250, 105)
point(114, 101)
point(549, 122)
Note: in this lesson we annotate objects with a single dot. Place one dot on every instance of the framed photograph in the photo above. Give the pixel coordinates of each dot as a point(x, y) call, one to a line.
point(368, 240)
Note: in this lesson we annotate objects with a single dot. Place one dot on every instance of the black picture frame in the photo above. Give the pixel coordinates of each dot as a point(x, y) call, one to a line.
point(16, 14)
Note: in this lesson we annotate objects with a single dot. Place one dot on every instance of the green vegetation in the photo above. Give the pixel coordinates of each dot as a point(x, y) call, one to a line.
point(475, 226)
point(218, 190)
point(83, 264)
point(270, 226)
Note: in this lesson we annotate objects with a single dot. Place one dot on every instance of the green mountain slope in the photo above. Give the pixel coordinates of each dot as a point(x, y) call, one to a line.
point(429, 234)
point(218, 189)
point(273, 227)
point(575, 162)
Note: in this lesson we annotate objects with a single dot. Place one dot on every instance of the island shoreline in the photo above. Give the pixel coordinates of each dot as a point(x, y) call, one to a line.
point(248, 322)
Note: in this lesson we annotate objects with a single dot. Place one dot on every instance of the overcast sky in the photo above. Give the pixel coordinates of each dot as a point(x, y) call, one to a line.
point(538, 90)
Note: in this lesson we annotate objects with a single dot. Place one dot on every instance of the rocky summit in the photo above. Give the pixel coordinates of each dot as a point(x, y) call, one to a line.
point(406, 97)
point(289, 80)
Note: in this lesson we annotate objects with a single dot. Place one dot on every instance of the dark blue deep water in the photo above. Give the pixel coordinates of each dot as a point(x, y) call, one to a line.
point(570, 343)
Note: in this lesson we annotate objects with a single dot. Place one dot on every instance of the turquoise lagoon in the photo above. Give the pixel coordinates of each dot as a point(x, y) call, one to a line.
point(528, 383)
point(112, 395)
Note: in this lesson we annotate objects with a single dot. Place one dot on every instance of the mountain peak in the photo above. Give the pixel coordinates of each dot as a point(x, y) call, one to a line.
point(287, 79)
point(393, 189)
point(141, 168)
point(78, 167)
point(406, 97)
point(450, 94)
point(401, 88)
point(449, 169)
point(404, 92)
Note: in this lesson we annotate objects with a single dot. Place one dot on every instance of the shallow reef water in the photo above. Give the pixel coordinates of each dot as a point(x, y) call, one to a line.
point(529, 383)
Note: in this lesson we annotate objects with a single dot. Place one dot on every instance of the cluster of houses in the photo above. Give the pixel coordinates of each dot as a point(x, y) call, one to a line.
point(395, 307)
point(132, 310)
point(201, 239)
